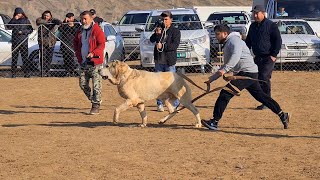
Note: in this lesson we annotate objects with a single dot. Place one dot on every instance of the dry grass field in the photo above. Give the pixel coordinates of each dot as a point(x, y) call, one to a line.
point(46, 134)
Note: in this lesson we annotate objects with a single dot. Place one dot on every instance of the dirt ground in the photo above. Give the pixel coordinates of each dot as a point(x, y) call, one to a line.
point(46, 134)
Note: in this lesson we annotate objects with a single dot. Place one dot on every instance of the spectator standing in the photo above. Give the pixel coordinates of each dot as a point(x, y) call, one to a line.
point(167, 39)
point(68, 30)
point(96, 18)
point(46, 39)
point(21, 28)
point(89, 45)
point(265, 41)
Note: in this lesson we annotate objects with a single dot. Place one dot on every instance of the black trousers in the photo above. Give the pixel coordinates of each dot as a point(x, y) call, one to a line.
point(265, 68)
point(254, 89)
point(46, 53)
point(21, 48)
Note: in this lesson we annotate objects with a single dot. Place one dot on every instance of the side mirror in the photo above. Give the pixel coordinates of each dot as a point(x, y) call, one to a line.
point(111, 38)
point(208, 25)
point(115, 22)
point(139, 28)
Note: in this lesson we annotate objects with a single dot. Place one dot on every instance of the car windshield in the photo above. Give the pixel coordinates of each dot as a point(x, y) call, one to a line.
point(140, 18)
point(230, 18)
point(294, 27)
point(181, 21)
point(298, 9)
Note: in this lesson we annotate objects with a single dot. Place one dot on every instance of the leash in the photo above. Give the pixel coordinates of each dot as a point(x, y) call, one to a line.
point(226, 78)
point(190, 81)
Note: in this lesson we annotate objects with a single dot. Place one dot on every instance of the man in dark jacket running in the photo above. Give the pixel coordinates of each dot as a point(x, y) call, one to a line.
point(21, 28)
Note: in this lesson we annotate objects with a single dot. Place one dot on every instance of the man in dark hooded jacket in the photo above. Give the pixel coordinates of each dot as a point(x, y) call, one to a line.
point(21, 28)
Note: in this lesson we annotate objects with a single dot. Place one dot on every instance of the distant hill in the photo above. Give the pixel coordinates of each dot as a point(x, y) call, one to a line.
point(109, 10)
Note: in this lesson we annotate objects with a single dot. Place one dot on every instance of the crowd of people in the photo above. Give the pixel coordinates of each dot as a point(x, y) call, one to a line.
point(47, 26)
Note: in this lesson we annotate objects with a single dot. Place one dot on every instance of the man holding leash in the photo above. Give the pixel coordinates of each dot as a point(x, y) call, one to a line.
point(89, 44)
point(237, 58)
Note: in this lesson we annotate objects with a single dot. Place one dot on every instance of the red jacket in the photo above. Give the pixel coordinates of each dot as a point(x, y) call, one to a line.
point(97, 42)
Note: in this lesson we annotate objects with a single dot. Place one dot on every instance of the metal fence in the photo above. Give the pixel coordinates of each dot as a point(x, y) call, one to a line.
point(50, 52)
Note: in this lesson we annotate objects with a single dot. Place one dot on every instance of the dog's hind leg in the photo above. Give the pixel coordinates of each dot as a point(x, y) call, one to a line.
point(194, 110)
point(121, 108)
point(169, 103)
point(143, 114)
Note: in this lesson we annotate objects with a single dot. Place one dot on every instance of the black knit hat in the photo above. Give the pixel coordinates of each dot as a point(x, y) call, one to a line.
point(18, 10)
point(69, 15)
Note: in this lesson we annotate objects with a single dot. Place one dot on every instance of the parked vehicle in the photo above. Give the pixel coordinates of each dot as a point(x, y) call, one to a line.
point(126, 27)
point(4, 19)
point(299, 42)
point(5, 44)
point(194, 48)
point(205, 11)
point(295, 9)
point(238, 21)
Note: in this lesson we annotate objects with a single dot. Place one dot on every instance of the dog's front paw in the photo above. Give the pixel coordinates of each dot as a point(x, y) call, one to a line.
point(142, 125)
point(198, 125)
point(115, 122)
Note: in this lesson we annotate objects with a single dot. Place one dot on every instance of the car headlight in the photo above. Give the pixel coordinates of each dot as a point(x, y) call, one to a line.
point(199, 40)
point(314, 46)
point(283, 46)
point(147, 42)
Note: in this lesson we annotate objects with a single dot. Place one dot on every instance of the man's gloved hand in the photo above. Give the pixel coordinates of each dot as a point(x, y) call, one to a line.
point(208, 85)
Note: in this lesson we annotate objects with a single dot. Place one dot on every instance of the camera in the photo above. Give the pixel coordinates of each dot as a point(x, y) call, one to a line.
point(159, 23)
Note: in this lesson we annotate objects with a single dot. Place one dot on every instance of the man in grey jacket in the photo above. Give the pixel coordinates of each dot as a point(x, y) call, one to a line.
point(237, 59)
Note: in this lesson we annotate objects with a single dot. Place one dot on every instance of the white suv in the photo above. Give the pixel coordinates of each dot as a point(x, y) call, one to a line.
point(194, 48)
point(299, 41)
point(126, 27)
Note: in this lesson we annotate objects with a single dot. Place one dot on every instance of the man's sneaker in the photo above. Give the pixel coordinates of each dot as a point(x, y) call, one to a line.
point(176, 109)
point(261, 107)
point(160, 108)
point(210, 124)
point(285, 118)
point(94, 109)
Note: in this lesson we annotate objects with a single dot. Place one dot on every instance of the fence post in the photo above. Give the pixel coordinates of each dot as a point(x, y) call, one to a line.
point(41, 51)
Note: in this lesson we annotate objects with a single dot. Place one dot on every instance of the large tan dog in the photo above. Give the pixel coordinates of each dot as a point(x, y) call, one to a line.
point(137, 87)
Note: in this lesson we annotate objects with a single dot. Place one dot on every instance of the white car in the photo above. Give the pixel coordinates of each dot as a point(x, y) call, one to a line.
point(5, 46)
point(126, 26)
point(114, 48)
point(194, 48)
point(299, 42)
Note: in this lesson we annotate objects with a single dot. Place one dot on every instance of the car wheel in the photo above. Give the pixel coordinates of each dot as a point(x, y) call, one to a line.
point(106, 60)
point(35, 60)
point(123, 54)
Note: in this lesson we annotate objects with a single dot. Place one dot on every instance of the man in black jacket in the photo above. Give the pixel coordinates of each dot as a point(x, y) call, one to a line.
point(21, 28)
point(167, 39)
point(68, 30)
point(96, 18)
point(265, 41)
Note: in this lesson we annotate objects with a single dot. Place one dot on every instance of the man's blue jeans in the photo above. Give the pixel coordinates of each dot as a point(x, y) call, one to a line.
point(165, 68)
